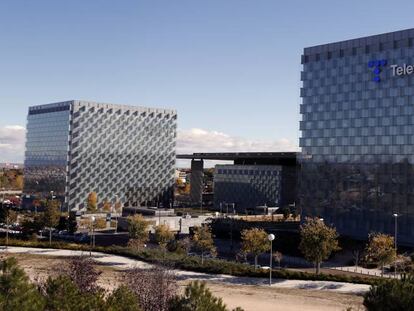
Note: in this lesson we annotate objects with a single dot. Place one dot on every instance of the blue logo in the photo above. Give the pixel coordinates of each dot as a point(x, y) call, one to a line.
point(377, 65)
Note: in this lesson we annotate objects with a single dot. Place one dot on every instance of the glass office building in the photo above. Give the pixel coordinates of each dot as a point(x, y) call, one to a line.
point(248, 186)
point(124, 153)
point(357, 134)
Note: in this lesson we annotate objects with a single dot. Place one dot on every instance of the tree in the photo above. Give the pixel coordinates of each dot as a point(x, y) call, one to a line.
point(62, 294)
point(36, 203)
point(63, 223)
point(30, 227)
point(187, 188)
point(16, 292)
point(11, 217)
point(72, 225)
point(285, 211)
point(278, 257)
point(92, 202)
point(154, 287)
point(318, 241)
point(295, 212)
point(392, 295)
point(163, 235)
point(118, 206)
point(203, 241)
point(197, 297)
point(138, 231)
point(122, 299)
point(100, 223)
point(81, 270)
point(19, 182)
point(51, 216)
point(180, 246)
point(8, 216)
point(380, 249)
point(107, 207)
point(255, 242)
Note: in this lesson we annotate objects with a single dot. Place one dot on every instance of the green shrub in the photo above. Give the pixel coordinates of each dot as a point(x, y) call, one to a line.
point(393, 295)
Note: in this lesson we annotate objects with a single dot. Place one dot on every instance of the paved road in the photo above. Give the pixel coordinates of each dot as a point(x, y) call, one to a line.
point(119, 262)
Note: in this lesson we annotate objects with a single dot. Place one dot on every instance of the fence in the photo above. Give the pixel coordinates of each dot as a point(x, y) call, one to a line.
point(367, 272)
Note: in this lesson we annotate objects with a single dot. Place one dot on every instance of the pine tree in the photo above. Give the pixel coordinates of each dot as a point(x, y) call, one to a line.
point(122, 299)
point(197, 297)
point(392, 295)
point(62, 294)
point(16, 292)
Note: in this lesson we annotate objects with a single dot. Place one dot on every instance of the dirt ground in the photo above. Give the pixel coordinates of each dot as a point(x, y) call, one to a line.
point(250, 298)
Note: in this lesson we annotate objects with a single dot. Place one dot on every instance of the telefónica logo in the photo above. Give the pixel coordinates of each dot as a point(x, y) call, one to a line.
point(377, 65)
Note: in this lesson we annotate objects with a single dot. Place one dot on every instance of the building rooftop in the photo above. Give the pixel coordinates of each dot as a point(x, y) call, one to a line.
point(400, 37)
point(245, 157)
point(238, 155)
point(64, 105)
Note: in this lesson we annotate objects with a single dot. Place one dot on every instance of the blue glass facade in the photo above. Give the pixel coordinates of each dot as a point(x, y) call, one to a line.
point(47, 145)
point(357, 134)
point(248, 186)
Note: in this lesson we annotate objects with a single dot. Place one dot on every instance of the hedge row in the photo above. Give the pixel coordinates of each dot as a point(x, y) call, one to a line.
point(193, 263)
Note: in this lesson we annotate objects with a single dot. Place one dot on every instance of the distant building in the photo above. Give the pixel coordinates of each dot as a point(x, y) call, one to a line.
point(248, 185)
point(77, 147)
point(255, 178)
point(196, 180)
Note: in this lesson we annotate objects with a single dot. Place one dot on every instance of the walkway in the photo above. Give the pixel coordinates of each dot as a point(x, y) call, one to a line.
point(124, 263)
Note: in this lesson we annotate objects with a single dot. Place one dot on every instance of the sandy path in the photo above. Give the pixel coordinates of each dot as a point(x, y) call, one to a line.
point(253, 298)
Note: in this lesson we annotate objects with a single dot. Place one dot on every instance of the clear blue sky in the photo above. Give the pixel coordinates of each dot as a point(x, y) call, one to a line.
point(226, 65)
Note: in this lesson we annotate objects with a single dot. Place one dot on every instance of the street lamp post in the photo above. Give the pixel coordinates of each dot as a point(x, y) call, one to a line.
point(271, 237)
point(93, 231)
point(395, 215)
point(92, 242)
point(120, 210)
